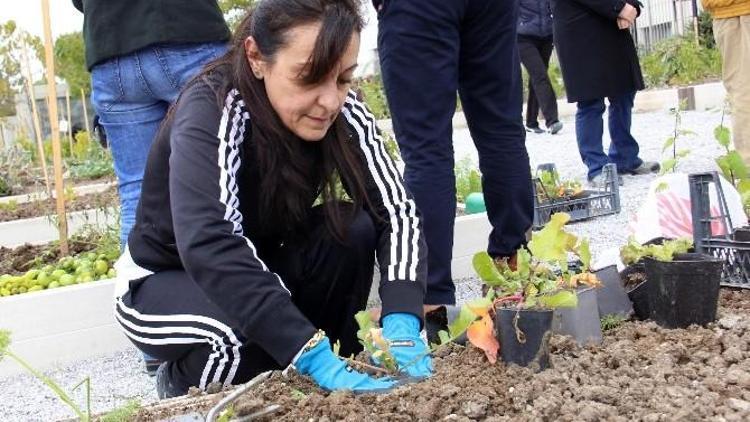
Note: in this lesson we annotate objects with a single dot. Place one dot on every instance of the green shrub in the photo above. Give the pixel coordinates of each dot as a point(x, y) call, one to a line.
point(679, 61)
point(370, 89)
point(5, 189)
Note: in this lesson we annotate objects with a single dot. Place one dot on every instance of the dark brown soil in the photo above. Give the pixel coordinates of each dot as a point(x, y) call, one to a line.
point(37, 183)
point(640, 372)
point(46, 207)
point(18, 260)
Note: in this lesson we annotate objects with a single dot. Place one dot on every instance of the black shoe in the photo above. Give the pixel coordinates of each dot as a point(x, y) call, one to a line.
point(152, 365)
point(438, 320)
point(646, 167)
point(165, 387)
point(555, 127)
point(534, 129)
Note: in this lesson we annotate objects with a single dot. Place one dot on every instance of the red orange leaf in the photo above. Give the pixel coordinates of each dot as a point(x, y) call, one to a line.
point(481, 335)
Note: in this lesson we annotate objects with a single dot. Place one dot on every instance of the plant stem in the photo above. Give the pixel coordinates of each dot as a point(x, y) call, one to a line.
point(368, 366)
point(51, 384)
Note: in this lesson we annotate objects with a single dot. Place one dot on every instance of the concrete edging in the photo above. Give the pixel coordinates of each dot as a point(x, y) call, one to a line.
point(40, 230)
point(41, 195)
point(72, 323)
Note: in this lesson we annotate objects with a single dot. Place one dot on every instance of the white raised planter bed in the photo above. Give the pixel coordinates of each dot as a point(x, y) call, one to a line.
point(40, 230)
point(72, 323)
point(40, 196)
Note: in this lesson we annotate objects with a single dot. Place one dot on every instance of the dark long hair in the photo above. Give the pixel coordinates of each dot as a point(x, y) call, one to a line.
point(294, 172)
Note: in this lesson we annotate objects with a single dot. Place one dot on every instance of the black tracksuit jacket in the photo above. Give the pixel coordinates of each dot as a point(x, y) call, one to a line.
point(199, 212)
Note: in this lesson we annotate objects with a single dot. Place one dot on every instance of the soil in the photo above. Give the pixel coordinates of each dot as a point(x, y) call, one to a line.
point(18, 260)
point(632, 276)
point(36, 185)
point(46, 207)
point(639, 372)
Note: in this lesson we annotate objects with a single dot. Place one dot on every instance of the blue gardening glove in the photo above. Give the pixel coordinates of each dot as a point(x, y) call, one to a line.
point(401, 330)
point(331, 372)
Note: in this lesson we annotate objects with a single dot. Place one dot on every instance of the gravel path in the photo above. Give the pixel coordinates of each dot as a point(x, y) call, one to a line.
point(118, 378)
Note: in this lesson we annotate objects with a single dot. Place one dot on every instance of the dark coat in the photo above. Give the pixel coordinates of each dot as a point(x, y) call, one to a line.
point(535, 18)
point(597, 58)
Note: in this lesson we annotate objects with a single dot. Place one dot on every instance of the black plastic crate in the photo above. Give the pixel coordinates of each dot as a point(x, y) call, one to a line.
point(592, 203)
point(732, 248)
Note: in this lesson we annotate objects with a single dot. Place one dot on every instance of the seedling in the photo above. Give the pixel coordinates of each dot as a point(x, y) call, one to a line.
point(542, 282)
point(610, 322)
point(551, 187)
point(670, 164)
point(633, 251)
point(731, 164)
point(371, 337)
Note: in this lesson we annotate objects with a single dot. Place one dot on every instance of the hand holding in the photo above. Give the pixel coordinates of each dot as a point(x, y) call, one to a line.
point(623, 23)
point(331, 372)
point(629, 13)
point(401, 330)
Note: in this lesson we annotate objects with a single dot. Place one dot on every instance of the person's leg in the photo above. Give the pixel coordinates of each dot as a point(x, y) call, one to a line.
point(418, 48)
point(168, 316)
point(549, 100)
point(589, 132)
point(623, 150)
point(527, 51)
point(330, 281)
point(130, 116)
point(490, 90)
point(733, 39)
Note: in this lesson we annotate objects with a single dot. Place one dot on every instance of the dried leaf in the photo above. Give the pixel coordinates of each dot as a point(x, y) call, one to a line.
point(481, 334)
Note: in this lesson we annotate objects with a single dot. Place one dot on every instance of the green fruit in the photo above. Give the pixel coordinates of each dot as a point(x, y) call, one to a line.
point(53, 285)
point(87, 278)
point(4, 292)
point(48, 268)
point(91, 256)
point(22, 289)
point(57, 274)
point(36, 288)
point(31, 274)
point(5, 277)
point(43, 279)
point(67, 280)
point(101, 267)
point(111, 273)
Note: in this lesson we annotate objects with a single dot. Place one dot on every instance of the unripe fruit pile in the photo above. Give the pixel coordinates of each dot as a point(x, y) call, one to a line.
point(83, 268)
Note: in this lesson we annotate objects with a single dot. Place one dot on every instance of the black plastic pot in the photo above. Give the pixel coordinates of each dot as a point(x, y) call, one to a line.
point(611, 297)
point(524, 336)
point(742, 234)
point(582, 322)
point(684, 291)
point(639, 294)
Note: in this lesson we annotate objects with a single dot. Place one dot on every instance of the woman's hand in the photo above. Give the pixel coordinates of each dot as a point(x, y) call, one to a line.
point(401, 330)
point(331, 372)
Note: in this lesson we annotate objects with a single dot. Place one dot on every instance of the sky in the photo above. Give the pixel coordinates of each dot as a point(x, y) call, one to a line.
point(66, 18)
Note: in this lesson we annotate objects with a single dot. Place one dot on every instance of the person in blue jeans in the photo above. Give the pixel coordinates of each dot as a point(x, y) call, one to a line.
point(429, 50)
point(607, 67)
point(140, 55)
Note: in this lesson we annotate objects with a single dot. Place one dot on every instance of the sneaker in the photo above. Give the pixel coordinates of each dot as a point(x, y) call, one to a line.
point(555, 127)
point(598, 181)
point(438, 320)
point(534, 129)
point(646, 167)
point(152, 365)
point(165, 387)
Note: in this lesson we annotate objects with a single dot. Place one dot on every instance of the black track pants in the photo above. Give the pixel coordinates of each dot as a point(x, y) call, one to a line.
point(167, 316)
point(535, 54)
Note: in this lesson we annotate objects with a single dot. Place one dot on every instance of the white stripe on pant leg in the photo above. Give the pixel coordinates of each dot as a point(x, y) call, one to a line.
point(217, 339)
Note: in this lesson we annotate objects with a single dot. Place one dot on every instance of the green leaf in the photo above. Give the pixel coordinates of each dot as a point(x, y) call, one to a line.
point(668, 165)
point(584, 252)
point(723, 163)
point(465, 317)
point(661, 187)
point(445, 338)
point(722, 136)
point(4, 341)
point(364, 321)
point(485, 268)
point(743, 186)
point(686, 132)
point(737, 165)
point(552, 243)
point(683, 153)
point(668, 143)
point(561, 299)
point(523, 263)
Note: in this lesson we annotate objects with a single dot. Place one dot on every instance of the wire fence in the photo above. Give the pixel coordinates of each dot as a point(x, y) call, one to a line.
point(663, 19)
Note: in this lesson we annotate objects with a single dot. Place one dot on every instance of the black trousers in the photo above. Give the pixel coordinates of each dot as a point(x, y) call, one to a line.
point(429, 50)
point(535, 55)
point(167, 315)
